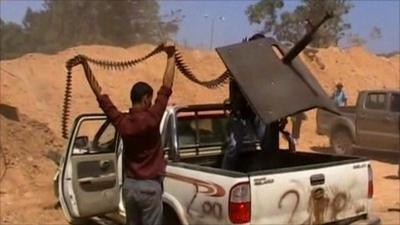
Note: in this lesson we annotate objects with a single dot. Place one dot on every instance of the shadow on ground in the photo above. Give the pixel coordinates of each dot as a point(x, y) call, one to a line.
point(9, 112)
point(392, 177)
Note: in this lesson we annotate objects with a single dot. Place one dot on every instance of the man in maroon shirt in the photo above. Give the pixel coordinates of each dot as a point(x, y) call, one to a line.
point(143, 156)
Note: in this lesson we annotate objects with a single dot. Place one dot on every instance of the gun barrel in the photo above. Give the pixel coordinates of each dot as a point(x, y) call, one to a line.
point(295, 50)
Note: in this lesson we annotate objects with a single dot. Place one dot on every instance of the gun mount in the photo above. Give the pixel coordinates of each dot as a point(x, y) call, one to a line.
point(274, 86)
point(295, 50)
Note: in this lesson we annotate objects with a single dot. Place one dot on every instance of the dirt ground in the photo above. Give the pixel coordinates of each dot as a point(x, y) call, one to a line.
point(31, 101)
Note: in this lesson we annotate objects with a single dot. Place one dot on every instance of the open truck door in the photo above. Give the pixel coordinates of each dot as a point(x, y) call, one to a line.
point(88, 181)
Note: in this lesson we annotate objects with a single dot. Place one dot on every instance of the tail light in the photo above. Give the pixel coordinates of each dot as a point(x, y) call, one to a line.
point(370, 183)
point(240, 203)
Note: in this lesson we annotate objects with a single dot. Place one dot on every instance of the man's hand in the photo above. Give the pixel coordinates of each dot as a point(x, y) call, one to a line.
point(169, 48)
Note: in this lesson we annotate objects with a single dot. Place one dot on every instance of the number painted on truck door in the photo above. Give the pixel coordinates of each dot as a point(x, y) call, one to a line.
point(213, 209)
point(296, 205)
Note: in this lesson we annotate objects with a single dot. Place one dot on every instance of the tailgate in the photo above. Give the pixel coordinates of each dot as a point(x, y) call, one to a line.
point(310, 196)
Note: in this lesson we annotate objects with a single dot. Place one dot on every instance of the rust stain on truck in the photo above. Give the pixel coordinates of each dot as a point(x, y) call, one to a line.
point(320, 205)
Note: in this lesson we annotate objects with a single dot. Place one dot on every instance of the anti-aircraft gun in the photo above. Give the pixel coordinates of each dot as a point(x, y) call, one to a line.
point(274, 82)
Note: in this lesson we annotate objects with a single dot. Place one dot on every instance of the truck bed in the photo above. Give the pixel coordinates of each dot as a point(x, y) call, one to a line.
point(255, 161)
point(260, 161)
point(348, 111)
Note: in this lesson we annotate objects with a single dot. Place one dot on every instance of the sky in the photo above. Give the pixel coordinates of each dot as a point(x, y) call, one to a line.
point(231, 24)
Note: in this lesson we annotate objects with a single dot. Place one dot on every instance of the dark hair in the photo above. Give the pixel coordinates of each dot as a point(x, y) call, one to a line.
point(256, 36)
point(139, 90)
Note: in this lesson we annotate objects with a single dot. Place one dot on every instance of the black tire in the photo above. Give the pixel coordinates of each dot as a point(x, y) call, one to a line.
point(170, 217)
point(80, 222)
point(341, 142)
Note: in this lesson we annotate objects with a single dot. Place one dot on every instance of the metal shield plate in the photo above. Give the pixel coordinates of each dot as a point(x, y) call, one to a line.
point(274, 90)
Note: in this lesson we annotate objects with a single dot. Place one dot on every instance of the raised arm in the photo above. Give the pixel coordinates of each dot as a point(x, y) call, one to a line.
point(165, 91)
point(169, 73)
point(105, 103)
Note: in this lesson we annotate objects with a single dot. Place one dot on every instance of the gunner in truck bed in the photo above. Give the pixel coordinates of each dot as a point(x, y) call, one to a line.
point(245, 126)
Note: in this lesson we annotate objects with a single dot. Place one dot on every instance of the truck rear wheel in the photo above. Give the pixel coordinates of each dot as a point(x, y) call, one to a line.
point(341, 142)
point(170, 216)
point(80, 222)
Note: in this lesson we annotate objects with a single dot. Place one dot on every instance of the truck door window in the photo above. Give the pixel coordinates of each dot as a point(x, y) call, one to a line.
point(376, 101)
point(95, 136)
point(212, 131)
point(186, 130)
point(395, 103)
point(201, 130)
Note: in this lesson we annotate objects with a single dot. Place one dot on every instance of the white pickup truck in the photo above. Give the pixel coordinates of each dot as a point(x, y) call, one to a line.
point(271, 186)
point(278, 187)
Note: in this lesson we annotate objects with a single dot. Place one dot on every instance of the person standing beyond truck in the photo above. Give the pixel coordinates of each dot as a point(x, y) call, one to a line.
point(339, 96)
point(297, 120)
point(143, 157)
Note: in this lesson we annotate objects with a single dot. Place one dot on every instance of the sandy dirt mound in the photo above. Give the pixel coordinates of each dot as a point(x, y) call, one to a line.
point(26, 187)
point(357, 68)
point(34, 84)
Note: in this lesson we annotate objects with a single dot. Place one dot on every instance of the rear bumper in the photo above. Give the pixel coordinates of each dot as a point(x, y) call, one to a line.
point(358, 220)
point(370, 220)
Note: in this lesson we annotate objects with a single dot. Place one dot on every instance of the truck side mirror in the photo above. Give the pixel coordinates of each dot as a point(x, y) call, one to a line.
point(81, 142)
